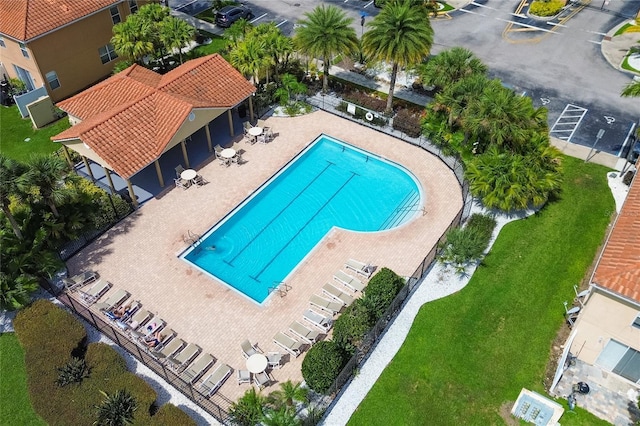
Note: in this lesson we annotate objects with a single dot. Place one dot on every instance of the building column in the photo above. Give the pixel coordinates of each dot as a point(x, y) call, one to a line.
point(183, 145)
point(251, 117)
point(132, 194)
point(88, 166)
point(107, 173)
point(159, 172)
point(230, 117)
point(208, 133)
point(67, 155)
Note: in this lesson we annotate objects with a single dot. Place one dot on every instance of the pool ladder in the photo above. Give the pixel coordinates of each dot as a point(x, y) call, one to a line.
point(191, 238)
point(281, 287)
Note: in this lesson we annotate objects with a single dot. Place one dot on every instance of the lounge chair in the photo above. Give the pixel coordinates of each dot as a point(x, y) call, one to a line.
point(113, 301)
point(138, 319)
point(318, 320)
point(185, 356)
point(248, 349)
point(150, 328)
point(261, 379)
point(77, 281)
point(211, 384)
point(131, 310)
point(170, 349)
point(274, 360)
point(326, 305)
point(288, 343)
point(305, 334)
point(349, 281)
point(358, 267)
point(243, 376)
point(197, 369)
point(168, 334)
point(94, 293)
point(335, 293)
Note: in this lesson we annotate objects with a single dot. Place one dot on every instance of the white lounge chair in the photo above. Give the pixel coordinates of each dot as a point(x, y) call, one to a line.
point(185, 356)
point(138, 319)
point(349, 281)
point(95, 292)
point(318, 320)
point(326, 305)
point(248, 349)
point(305, 334)
point(337, 294)
point(113, 301)
point(211, 384)
point(288, 343)
point(170, 349)
point(168, 334)
point(358, 267)
point(80, 280)
point(149, 329)
point(197, 369)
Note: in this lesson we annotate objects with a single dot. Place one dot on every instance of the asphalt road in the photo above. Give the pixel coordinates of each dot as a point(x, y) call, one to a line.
point(558, 62)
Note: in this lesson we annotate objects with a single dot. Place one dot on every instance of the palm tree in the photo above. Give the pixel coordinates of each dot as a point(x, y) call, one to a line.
point(10, 170)
point(289, 86)
point(176, 34)
point(325, 32)
point(283, 416)
point(45, 181)
point(402, 35)
point(632, 90)
point(237, 32)
point(117, 409)
point(249, 409)
point(288, 394)
point(131, 39)
point(450, 66)
point(249, 58)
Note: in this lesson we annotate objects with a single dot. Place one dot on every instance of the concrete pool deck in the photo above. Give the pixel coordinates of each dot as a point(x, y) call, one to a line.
point(140, 253)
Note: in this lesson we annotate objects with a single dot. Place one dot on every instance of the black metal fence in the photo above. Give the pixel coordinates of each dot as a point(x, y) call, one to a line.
point(217, 405)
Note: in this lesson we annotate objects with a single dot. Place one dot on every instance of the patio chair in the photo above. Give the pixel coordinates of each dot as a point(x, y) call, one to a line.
point(181, 183)
point(288, 343)
point(90, 296)
point(262, 123)
point(261, 380)
point(248, 349)
point(337, 294)
point(326, 305)
point(262, 138)
point(180, 361)
point(80, 280)
point(113, 301)
point(305, 334)
point(212, 383)
point(170, 349)
point(197, 369)
point(318, 320)
point(349, 281)
point(274, 360)
point(246, 125)
point(238, 160)
point(269, 133)
point(223, 161)
point(358, 267)
point(199, 180)
point(179, 170)
point(243, 376)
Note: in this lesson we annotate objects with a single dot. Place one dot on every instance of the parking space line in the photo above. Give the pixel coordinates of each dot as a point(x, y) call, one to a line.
point(473, 13)
point(281, 23)
point(568, 113)
point(594, 41)
point(367, 5)
point(258, 18)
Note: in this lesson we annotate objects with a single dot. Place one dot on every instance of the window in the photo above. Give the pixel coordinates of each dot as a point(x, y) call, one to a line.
point(115, 14)
point(107, 54)
point(25, 77)
point(621, 360)
point(2, 42)
point(133, 6)
point(25, 52)
point(52, 79)
point(636, 322)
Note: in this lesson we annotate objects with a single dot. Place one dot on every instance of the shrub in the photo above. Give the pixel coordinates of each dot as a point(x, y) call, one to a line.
point(365, 100)
point(249, 409)
point(408, 122)
point(72, 372)
point(483, 223)
point(546, 8)
point(117, 409)
point(380, 292)
point(464, 245)
point(321, 366)
point(104, 361)
point(352, 325)
point(628, 177)
point(169, 414)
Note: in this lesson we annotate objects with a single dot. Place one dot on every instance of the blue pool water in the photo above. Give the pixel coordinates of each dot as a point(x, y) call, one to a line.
point(328, 184)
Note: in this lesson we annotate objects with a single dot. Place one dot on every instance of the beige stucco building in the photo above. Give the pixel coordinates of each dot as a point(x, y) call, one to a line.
point(63, 45)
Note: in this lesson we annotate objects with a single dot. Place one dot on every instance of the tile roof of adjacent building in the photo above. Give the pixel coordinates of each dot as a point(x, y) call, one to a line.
point(130, 118)
point(26, 19)
point(619, 267)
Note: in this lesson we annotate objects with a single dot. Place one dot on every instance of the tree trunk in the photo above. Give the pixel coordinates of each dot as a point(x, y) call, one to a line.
point(325, 77)
point(12, 221)
point(53, 208)
point(394, 73)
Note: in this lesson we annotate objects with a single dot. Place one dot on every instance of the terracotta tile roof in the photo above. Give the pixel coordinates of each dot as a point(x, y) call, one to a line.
point(26, 19)
point(130, 118)
point(619, 267)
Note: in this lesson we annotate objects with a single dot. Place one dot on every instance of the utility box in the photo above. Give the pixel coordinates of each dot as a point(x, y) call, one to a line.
point(42, 112)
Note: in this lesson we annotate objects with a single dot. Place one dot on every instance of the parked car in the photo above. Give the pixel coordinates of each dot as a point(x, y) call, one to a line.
point(230, 14)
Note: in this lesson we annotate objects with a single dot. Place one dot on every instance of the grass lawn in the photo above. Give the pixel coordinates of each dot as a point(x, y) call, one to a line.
point(14, 130)
point(216, 46)
point(208, 15)
point(14, 399)
point(471, 352)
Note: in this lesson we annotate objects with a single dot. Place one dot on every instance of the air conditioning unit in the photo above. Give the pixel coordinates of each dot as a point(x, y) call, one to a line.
point(42, 112)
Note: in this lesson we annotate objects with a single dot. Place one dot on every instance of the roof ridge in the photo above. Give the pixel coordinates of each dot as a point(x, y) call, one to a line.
point(183, 69)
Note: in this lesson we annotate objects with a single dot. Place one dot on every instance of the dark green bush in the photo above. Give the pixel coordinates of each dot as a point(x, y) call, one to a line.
point(365, 100)
point(104, 361)
point(381, 290)
point(464, 245)
point(169, 414)
point(408, 122)
point(352, 325)
point(322, 364)
point(74, 371)
point(484, 224)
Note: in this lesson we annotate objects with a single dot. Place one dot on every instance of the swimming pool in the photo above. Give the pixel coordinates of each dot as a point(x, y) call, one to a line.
point(330, 183)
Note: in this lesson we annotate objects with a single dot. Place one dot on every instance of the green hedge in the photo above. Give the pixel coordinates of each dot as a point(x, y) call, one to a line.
point(546, 7)
point(50, 336)
point(322, 364)
point(381, 290)
point(169, 414)
point(352, 325)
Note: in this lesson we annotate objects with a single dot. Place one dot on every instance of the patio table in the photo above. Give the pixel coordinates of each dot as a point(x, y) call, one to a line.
point(188, 174)
point(257, 363)
point(255, 131)
point(228, 153)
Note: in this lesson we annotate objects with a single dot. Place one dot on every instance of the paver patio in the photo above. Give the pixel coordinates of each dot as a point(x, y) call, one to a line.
point(140, 253)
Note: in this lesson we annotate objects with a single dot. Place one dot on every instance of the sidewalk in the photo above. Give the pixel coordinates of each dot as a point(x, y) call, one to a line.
point(614, 49)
